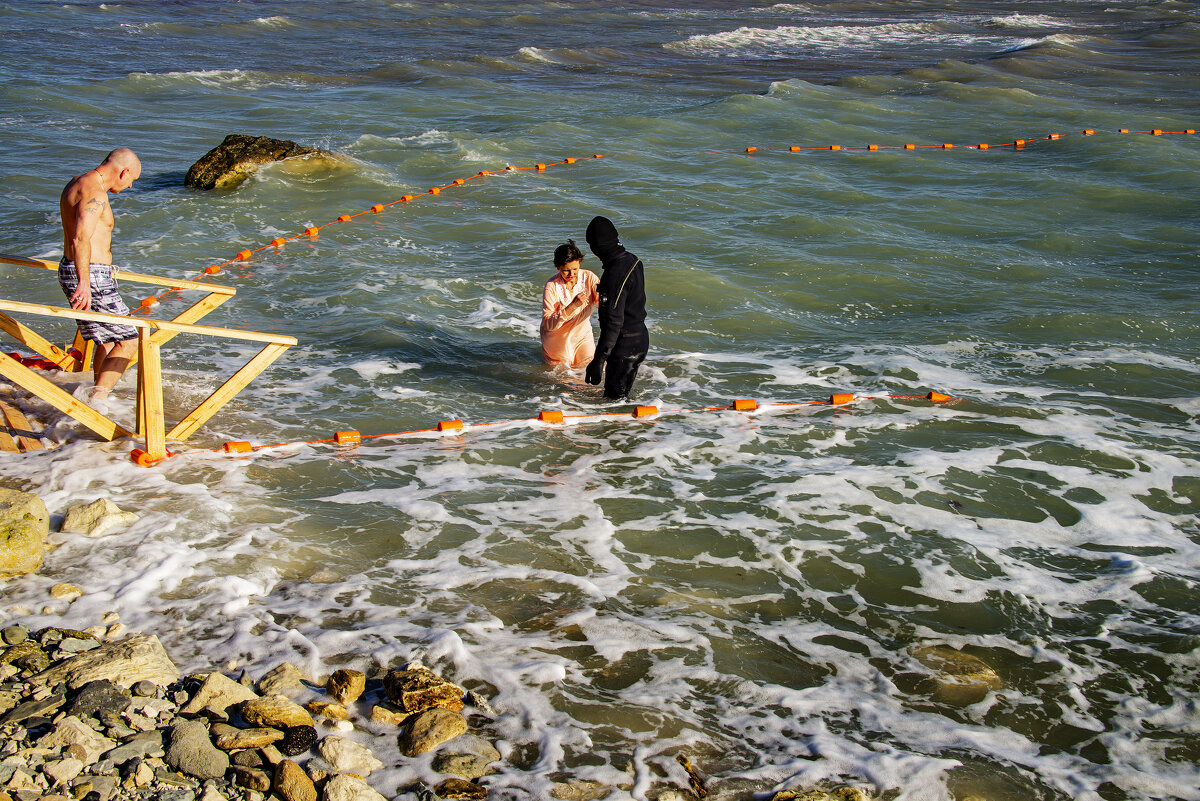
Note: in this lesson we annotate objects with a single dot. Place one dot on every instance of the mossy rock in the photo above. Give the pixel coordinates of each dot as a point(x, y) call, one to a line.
point(239, 156)
point(24, 524)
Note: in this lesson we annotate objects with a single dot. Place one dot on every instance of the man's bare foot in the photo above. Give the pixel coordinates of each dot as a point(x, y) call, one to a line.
point(98, 394)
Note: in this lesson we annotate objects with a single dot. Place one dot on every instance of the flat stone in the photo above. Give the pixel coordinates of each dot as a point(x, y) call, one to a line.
point(346, 686)
point(472, 760)
point(192, 753)
point(247, 759)
point(292, 783)
point(276, 712)
point(251, 778)
point(324, 709)
point(144, 745)
point(24, 524)
point(32, 709)
point(135, 659)
point(349, 788)
point(419, 689)
point(240, 739)
point(346, 756)
point(75, 645)
point(460, 788)
point(97, 518)
point(71, 731)
point(430, 729)
point(63, 770)
point(98, 696)
point(218, 692)
point(385, 712)
point(12, 635)
point(280, 680)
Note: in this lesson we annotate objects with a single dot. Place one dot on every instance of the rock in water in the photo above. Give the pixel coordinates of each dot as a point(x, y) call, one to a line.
point(430, 729)
point(239, 156)
point(347, 756)
point(418, 689)
point(344, 787)
point(97, 518)
point(961, 678)
point(24, 524)
point(346, 686)
point(275, 712)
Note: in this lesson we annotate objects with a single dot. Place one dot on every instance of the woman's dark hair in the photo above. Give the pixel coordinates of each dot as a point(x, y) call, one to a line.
point(567, 253)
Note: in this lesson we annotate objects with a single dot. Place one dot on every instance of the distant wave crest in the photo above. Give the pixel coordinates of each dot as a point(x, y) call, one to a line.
point(790, 40)
point(1027, 21)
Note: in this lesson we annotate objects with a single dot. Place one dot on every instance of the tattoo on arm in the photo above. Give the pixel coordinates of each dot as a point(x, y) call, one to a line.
point(93, 206)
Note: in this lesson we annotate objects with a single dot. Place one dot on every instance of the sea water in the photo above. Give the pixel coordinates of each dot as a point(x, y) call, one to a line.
point(749, 589)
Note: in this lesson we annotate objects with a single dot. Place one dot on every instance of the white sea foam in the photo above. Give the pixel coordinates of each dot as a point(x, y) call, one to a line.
point(747, 42)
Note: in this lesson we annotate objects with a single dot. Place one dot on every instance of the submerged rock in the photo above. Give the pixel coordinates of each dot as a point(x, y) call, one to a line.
point(961, 678)
point(346, 686)
point(419, 688)
point(97, 518)
point(239, 156)
point(430, 729)
point(24, 524)
point(344, 787)
point(347, 756)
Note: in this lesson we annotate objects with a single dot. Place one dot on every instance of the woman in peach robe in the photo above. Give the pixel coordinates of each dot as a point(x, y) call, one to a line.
point(567, 305)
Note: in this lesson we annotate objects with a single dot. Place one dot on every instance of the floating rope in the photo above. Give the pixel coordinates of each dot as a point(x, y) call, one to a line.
point(312, 231)
point(558, 418)
point(1016, 144)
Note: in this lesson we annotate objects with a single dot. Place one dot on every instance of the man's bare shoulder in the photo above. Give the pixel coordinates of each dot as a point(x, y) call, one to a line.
point(83, 188)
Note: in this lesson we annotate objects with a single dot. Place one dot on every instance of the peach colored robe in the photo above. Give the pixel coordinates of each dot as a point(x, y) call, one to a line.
point(568, 340)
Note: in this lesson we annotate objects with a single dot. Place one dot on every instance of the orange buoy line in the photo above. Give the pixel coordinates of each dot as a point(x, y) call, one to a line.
point(313, 231)
point(556, 417)
point(1016, 144)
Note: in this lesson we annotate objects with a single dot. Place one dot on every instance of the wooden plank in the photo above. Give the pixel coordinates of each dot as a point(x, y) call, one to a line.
point(189, 315)
point(151, 396)
point(32, 339)
point(138, 322)
point(125, 275)
point(225, 393)
point(20, 426)
point(7, 443)
point(54, 395)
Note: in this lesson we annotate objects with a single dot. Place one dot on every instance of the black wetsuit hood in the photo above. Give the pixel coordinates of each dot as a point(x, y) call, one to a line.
point(603, 240)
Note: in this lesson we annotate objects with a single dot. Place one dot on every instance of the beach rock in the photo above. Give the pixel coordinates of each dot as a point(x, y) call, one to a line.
point(346, 756)
point(296, 740)
point(71, 731)
point(418, 689)
point(24, 524)
point(97, 697)
point(844, 793)
point(192, 753)
point(65, 592)
point(275, 712)
point(34, 709)
point(579, 790)
point(280, 680)
point(324, 709)
point(218, 692)
point(239, 739)
point(346, 686)
point(343, 787)
point(460, 788)
point(251, 778)
point(13, 635)
point(135, 659)
point(145, 689)
point(247, 759)
point(62, 771)
point(384, 712)
point(292, 783)
point(472, 761)
point(239, 156)
point(961, 679)
point(97, 518)
point(144, 745)
point(430, 729)
point(26, 655)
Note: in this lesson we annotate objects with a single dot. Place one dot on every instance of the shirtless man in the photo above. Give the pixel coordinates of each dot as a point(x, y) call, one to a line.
point(85, 272)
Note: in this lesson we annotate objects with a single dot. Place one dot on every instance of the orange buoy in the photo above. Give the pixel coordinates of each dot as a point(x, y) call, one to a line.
point(840, 398)
point(237, 447)
point(745, 405)
point(244, 255)
point(551, 417)
point(344, 218)
point(750, 150)
point(645, 411)
point(347, 438)
point(937, 397)
point(435, 190)
point(450, 425)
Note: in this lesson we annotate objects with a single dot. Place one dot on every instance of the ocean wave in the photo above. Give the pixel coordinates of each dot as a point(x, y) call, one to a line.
point(274, 23)
point(536, 54)
point(216, 79)
point(790, 40)
point(1027, 21)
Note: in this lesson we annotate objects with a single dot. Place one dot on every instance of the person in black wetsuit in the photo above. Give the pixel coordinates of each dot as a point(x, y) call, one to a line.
point(624, 339)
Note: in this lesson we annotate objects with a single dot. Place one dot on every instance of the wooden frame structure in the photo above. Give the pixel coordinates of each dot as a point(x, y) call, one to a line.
point(152, 335)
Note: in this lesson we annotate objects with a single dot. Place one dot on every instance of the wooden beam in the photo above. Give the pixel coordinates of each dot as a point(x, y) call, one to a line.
point(152, 423)
point(7, 443)
point(125, 275)
point(138, 322)
point(20, 426)
point(225, 393)
point(32, 339)
point(54, 395)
